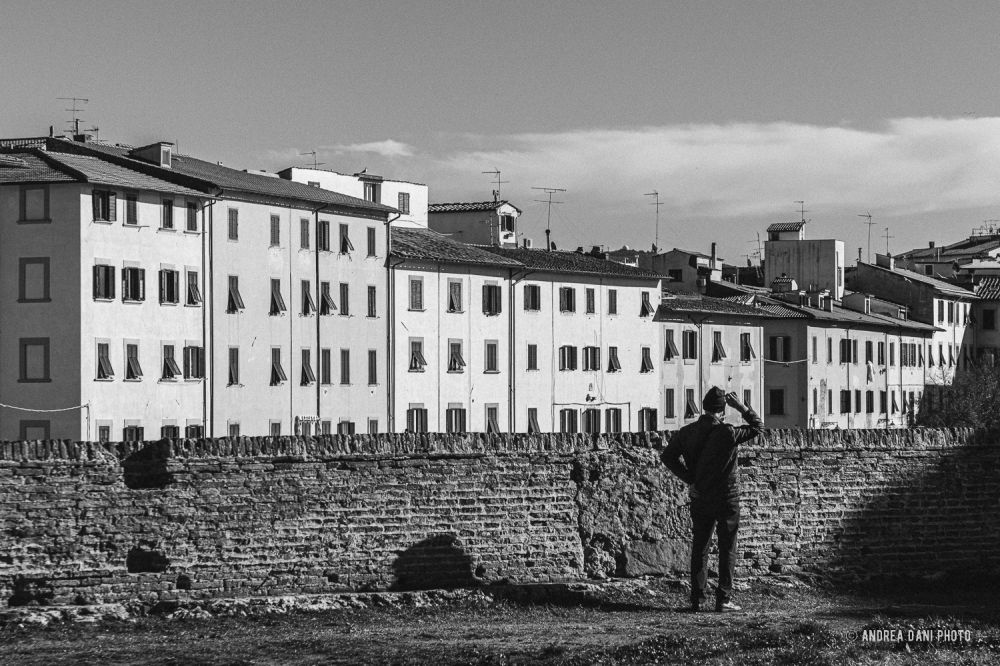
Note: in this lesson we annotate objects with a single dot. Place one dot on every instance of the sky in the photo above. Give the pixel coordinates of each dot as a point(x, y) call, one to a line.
point(732, 111)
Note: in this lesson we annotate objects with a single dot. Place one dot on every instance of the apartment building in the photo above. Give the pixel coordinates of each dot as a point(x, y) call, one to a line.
point(409, 199)
point(271, 298)
point(708, 342)
point(476, 223)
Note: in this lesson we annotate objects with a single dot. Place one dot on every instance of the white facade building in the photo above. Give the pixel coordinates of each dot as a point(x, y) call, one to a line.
point(476, 223)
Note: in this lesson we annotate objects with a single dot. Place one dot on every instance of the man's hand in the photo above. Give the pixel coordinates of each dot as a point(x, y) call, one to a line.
point(733, 401)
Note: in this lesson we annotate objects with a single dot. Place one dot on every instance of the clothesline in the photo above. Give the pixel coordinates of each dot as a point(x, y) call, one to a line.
point(45, 411)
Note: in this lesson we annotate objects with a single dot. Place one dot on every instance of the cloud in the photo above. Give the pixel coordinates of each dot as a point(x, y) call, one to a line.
point(386, 148)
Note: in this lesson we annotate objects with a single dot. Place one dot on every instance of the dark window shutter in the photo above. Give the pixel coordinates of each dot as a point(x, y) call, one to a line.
point(112, 206)
point(98, 281)
point(142, 284)
point(110, 279)
point(95, 200)
point(788, 348)
point(163, 286)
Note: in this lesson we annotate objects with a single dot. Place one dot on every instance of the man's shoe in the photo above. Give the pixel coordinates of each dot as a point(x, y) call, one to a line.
point(727, 607)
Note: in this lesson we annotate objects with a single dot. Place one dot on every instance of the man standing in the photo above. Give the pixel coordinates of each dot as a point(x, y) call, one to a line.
point(703, 455)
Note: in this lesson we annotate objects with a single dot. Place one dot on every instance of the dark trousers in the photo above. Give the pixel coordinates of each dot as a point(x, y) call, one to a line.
point(724, 518)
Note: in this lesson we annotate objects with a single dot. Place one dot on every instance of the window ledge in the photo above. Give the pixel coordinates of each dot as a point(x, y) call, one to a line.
point(167, 229)
point(167, 380)
point(420, 370)
point(24, 380)
point(456, 372)
point(192, 305)
point(104, 379)
point(34, 300)
point(491, 372)
point(126, 225)
point(170, 303)
point(138, 379)
point(47, 220)
point(455, 311)
point(192, 232)
point(132, 301)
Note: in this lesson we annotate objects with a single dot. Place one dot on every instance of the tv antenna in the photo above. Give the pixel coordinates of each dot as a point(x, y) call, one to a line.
point(496, 192)
point(887, 237)
point(657, 203)
point(548, 218)
point(75, 122)
point(868, 215)
point(802, 211)
point(316, 164)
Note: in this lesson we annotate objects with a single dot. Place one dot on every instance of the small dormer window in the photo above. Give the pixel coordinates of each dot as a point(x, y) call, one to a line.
point(868, 306)
point(165, 156)
point(507, 223)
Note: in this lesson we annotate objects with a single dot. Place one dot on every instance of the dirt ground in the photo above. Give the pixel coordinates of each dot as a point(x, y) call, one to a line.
point(631, 623)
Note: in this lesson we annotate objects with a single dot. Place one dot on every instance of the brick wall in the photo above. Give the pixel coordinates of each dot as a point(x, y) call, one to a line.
point(82, 522)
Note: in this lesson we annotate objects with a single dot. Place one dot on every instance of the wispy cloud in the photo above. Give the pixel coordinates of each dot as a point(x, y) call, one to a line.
point(386, 148)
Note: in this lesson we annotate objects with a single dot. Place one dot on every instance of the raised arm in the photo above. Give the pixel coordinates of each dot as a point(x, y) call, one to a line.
point(754, 426)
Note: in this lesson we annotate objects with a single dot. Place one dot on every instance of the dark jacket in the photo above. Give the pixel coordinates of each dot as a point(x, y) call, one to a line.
point(703, 454)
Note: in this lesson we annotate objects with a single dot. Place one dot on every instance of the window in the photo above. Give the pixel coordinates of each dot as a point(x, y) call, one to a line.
point(33, 280)
point(234, 224)
point(372, 305)
point(345, 301)
point(170, 432)
point(492, 356)
point(170, 368)
point(747, 394)
point(325, 363)
point(454, 296)
point(33, 430)
point(532, 297)
point(105, 204)
point(235, 302)
point(131, 210)
point(277, 371)
point(647, 419)
point(103, 433)
point(194, 431)
point(869, 352)
point(194, 362)
point(592, 421)
point(567, 420)
point(829, 350)
point(372, 426)
point(133, 433)
point(455, 361)
point(567, 357)
point(308, 376)
point(613, 364)
point(869, 402)
point(304, 233)
point(646, 309)
point(669, 347)
point(815, 402)
point(718, 350)
point(777, 402)
point(815, 352)
point(167, 214)
point(951, 312)
point(491, 419)
point(675, 275)
point(234, 366)
point(345, 366)
point(170, 286)
point(133, 371)
point(880, 353)
point(192, 217)
point(193, 290)
point(308, 304)
point(417, 361)
point(532, 357)
point(323, 241)
point(416, 293)
point(892, 353)
point(35, 204)
point(592, 358)
point(857, 400)
point(275, 428)
point(404, 203)
point(668, 403)
point(491, 299)
point(829, 400)
point(345, 240)
point(780, 348)
point(613, 419)
point(691, 410)
point(533, 421)
point(989, 319)
point(454, 418)
point(591, 301)
point(416, 419)
point(372, 367)
point(507, 223)
point(326, 306)
point(747, 352)
point(133, 284)
point(373, 192)
point(104, 368)
point(845, 402)
point(689, 342)
point(34, 356)
point(233, 428)
point(645, 362)
point(940, 310)
point(277, 301)
point(371, 241)
point(275, 231)
point(612, 301)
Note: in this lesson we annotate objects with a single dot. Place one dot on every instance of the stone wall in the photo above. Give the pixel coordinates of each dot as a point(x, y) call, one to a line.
point(85, 523)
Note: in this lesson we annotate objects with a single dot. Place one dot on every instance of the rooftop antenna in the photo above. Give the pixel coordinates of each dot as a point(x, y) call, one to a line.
point(548, 218)
point(802, 211)
point(75, 122)
point(868, 215)
point(316, 164)
point(496, 192)
point(887, 237)
point(97, 133)
point(657, 203)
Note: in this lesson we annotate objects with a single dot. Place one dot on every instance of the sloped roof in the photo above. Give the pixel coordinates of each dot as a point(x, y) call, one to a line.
point(988, 288)
point(27, 167)
point(465, 207)
point(768, 307)
point(210, 174)
point(940, 285)
point(705, 305)
point(786, 226)
point(969, 248)
point(429, 245)
point(562, 261)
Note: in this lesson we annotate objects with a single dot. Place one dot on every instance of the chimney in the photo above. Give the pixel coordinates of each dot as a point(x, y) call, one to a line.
point(930, 244)
point(702, 285)
point(859, 255)
point(885, 261)
point(714, 256)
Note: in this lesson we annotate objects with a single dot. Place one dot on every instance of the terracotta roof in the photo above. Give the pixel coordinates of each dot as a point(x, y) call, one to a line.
point(786, 226)
point(431, 246)
point(767, 307)
point(562, 261)
point(27, 167)
point(988, 288)
point(211, 175)
point(705, 305)
point(464, 207)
